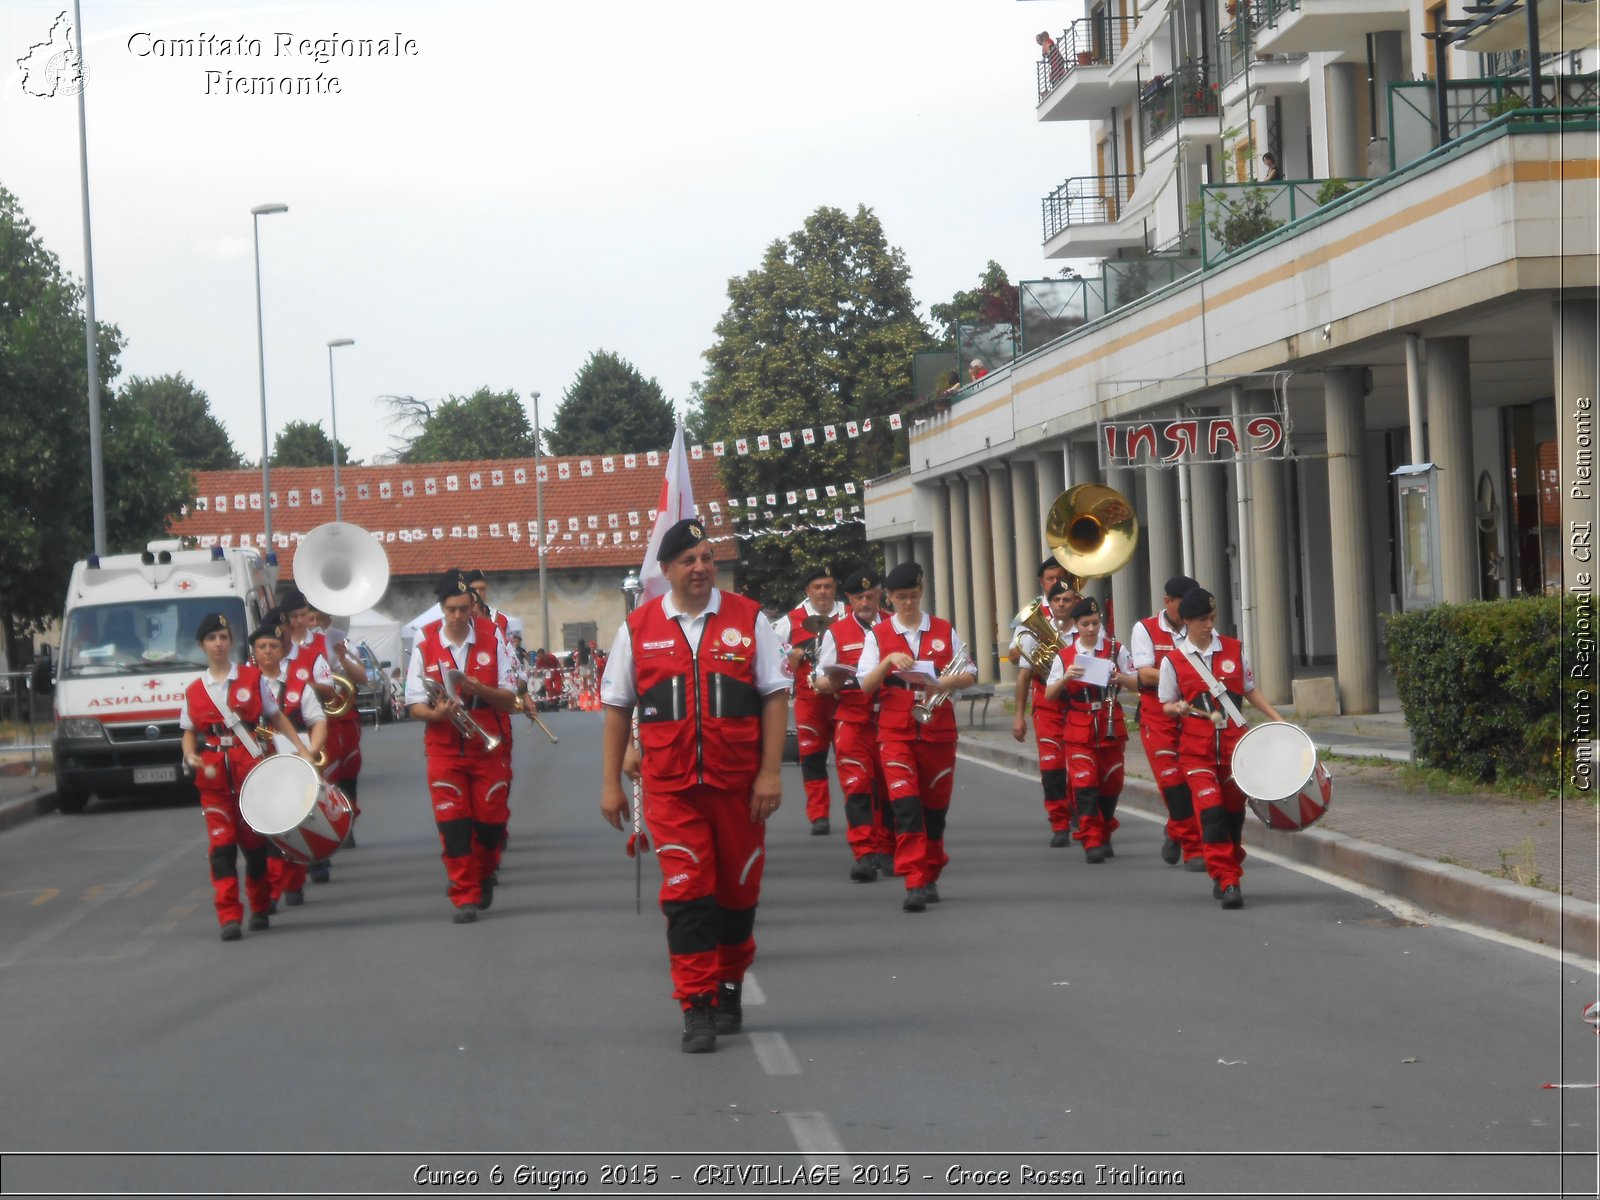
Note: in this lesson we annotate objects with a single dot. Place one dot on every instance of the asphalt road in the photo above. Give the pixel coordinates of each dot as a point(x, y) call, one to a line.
point(1048, 1014)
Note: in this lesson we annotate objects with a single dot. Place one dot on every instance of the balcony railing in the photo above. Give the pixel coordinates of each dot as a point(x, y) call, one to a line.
point(1087, 42)
point(1265, 14)
point(1234, 215)
point(1086, 200)
point(1471, 104)
point(1504, 63)
point(1233, 50)
point(1187, 92)
point(1054, 307)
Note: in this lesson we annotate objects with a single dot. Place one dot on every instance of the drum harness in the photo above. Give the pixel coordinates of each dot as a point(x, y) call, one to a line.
point(1220, 694)
point(241, 735)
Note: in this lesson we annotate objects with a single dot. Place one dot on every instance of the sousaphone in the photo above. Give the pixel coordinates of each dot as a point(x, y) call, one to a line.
point(343, 571)
point(1092, 530)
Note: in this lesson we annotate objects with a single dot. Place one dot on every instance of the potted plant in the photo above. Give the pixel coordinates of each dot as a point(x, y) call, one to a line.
point(1085, 58)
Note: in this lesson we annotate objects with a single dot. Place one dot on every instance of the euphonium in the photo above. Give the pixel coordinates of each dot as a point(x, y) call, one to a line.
point(923, 710)
point(1047, 639)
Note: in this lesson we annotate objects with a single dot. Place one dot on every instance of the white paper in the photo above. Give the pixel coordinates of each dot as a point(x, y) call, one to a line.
point(922, 674)
point(1096, 671)
point(838, 671)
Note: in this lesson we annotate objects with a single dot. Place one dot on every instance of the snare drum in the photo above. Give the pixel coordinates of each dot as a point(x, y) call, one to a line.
point(289, 804)
point(1276, 767)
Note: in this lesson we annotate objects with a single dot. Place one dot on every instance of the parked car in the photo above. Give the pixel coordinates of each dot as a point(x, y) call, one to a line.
point(372, 697)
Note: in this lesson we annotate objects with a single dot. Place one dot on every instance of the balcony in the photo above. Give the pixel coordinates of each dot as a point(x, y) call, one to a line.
point(1471, 104)
point(1073, 78)
point(1238, 62)
point(1052, 308)
point(1186, 94)
point(1236, 215)
point(1081, 217)
point(1341, 26)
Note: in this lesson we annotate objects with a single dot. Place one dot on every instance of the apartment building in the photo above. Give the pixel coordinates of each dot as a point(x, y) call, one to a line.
point(1332, 392)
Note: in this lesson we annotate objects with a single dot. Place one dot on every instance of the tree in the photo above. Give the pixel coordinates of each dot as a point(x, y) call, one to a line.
point(822, 332)
point(485, 424)
point(993, 302)
point(46, 513)
point(611, 407)
point(304, 444)
point(183, 412)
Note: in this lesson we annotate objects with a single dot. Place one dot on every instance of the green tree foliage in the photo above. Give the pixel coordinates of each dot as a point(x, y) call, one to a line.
point(820, 333)
point(993, 302)
point(183, 413)
point(46, 512)
point(485, 424)
point(610, 406)
point(305, 444)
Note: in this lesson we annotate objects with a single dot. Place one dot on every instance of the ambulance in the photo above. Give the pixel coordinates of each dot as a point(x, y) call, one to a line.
point(128, 651)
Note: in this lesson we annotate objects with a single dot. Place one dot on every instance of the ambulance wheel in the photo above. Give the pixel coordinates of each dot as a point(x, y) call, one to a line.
point(71, 802)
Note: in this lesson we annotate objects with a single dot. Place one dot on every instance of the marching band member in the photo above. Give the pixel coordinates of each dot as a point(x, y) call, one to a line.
point(1096, 732)
point(479, 583)
point(706, 671)
point(267, 647)
point(344, 730)
point(1207, 736)
point(1049, 721)
point(1152, 644)
point(468, 782)
point(220, 712)
point(813, 713)
point(919, 758)
point(1051, 573)
point(855, 744)
point(308, 646)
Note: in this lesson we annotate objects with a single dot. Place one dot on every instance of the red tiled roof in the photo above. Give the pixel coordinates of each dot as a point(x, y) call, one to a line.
point(482, 518)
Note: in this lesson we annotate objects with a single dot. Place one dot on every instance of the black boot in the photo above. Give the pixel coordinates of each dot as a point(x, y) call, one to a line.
point(730, 1007)
point(700, 1025)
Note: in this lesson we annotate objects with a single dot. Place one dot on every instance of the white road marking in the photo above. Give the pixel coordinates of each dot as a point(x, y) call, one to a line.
point(1403, 909)
point(23, 948)
point(814, 1134)
point(752, 990)
point(773, 1053)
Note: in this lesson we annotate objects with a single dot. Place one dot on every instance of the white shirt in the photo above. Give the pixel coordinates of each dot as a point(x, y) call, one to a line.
point(1058, 669)
point(310, 707)
point(869, 653)
point(1167, 690)
point(222, 696)
point(461, 656)
point(1143, 649)
point(780, 627)
point(617, 689)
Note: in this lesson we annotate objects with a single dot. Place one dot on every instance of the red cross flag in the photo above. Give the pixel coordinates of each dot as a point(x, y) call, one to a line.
point(676, 504)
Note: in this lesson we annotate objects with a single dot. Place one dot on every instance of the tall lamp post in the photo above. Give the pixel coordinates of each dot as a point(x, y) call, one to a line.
point(538, 494)
point(256, 213)
point(97, 471)
point(333, 410)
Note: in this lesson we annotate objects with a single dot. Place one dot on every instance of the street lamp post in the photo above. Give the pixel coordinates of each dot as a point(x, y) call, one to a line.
point(256, 213)
point(333, 410)
point(538, 493)
point(97, 471)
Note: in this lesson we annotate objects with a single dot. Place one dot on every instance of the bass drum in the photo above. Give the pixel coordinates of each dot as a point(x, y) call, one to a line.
point(1276, 767)
point(293, 807)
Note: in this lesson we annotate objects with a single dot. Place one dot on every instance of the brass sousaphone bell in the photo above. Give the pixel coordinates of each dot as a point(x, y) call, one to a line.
point(1092, 530)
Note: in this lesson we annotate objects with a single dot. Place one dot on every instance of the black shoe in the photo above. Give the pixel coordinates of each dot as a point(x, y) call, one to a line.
point(1232, 897)
point(487, 890)
point(730, 1008)
point(272, 908)
point(1216, 890)
point(864, 870)
point(465, 915)
point(1171, 851)
point(494, 878)
point(258, 922)
point(1060, 838)
point(819, 827)
point(294, 899)
point(916, 900)
point(230, 931)
point(319, 871)
point(700, 1025)
point(1094, 854)
point(1196, 864)
point(885, 864)
point(933, 893)
point(1110, 850)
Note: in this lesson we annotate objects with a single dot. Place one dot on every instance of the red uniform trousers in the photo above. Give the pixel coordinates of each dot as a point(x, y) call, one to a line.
point(1219, 810)
point(921, 776)
point(1097, 782)
point(344, 755)
point(285, 876)
point(866, 792)
point(227, 834)
point(1158, 732)
point(813, 722)
point(1049, 735)
point(711, 856)
point(470, 794)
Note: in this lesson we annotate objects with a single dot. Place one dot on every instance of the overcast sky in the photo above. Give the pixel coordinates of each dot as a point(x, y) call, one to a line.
point(538, 180)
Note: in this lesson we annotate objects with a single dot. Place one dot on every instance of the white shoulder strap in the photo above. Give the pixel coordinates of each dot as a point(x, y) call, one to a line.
point(1212, 686)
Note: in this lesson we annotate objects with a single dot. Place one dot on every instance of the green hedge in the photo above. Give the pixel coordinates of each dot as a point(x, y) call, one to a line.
point(1481, 685)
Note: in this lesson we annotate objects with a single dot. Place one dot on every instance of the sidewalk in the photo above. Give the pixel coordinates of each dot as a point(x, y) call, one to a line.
point(23, 796)
point(1523, 867)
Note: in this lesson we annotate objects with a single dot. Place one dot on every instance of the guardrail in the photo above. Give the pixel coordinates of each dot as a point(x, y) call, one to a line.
point(26, 718)
point(1087, 42)
point(1166, 99)
point(1233, 215)
point(1085, 200)
point(1471, 104)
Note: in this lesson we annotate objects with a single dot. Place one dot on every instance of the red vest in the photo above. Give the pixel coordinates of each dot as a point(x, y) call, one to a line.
point(288, 691)
point(1086, 703)
point(799, 637)
point(938, 646)
point(483, 664)
point(1149, 702)
point(699, 711)
point(855, 706)
point(1198, 738)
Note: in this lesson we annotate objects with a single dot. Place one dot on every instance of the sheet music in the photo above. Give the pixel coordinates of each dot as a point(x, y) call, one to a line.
point(1096, 671)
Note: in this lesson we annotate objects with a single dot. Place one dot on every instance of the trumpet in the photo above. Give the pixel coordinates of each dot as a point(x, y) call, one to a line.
point(924, 711)
point(1047, 639)
point(464, 725)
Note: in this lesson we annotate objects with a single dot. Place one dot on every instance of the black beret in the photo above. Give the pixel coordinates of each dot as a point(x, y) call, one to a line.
point(685, 535)
point(211, 623)
point(860, 581)
point(451, 583)
point(814, 574)
point(474, 576)
point(1050, 564)
point(1087, 607)
point(1197, 602)
point(269, 628)
point(1058, 587)
point(293, 601)
point(1180, 586)
point(906, 575)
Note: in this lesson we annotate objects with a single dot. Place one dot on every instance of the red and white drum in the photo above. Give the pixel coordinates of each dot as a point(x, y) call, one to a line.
point(289, 804)
point(1276, 767)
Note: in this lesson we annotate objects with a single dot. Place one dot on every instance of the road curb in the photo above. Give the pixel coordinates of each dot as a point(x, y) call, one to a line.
point(1451, 891)
point(22, 809)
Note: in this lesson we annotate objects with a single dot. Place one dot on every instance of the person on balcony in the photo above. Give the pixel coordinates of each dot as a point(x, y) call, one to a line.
point(1052, 56)
point(1274, 171)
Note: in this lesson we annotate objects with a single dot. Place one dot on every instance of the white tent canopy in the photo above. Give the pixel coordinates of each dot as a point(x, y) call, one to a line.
point(380, 633)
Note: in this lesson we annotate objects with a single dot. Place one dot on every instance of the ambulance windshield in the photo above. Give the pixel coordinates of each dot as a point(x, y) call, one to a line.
point(143, 637)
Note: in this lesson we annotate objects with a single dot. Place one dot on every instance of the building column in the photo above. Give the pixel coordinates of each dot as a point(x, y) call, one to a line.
point(922, 551)
point(1027, 531)
point(1270, 566)
point(1346, 138)
point(1083, 466)
point(1577, 366)
point(1003, 535)
point(1449, 394)
point(908, 549)
point(1160, 529)
point(1208, 499)
point(1128, 589)
point(891, 554)
point(959, 594)
point(938, 565)
point(1051, 471)
point(982, 549)
point(1355, 641)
